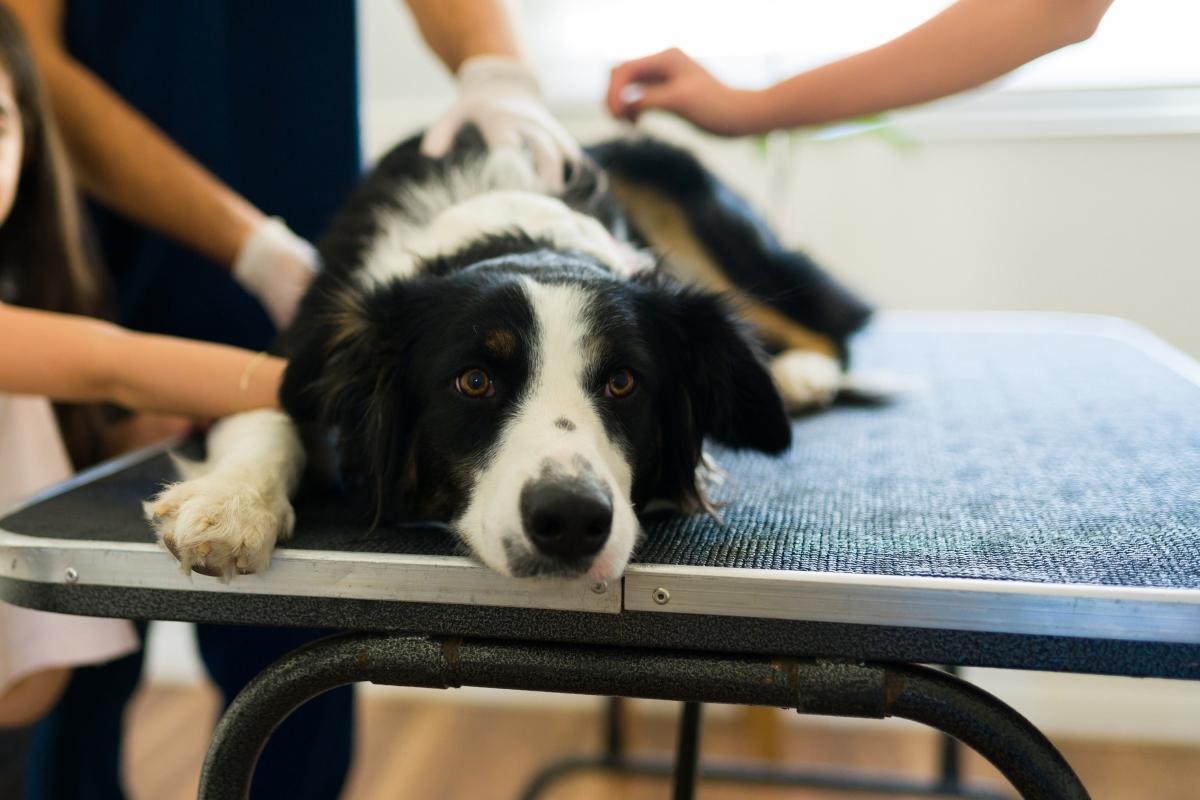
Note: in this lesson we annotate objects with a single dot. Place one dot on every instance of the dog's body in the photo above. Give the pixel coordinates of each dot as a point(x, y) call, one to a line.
point(519, 365)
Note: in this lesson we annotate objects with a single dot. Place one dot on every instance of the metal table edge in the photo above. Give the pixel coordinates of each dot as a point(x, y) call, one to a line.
point(307, 574)
point(962, 604)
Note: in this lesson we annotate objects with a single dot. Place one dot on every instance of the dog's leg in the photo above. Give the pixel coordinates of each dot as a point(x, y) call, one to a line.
point(806, 379)
point(227, 514)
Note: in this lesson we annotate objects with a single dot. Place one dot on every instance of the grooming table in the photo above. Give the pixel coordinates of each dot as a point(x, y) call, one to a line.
point(1033, 502)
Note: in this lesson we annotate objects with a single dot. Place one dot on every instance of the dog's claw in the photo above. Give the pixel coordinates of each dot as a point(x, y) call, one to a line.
point(220, 528)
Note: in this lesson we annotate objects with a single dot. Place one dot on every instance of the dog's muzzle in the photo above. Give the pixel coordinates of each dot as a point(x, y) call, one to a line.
point(567, 518)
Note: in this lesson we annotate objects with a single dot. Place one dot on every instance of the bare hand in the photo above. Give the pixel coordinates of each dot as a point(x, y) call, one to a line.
point(672, 81)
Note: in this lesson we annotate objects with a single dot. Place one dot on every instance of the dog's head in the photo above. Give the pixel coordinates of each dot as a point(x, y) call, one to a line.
point(535, 402)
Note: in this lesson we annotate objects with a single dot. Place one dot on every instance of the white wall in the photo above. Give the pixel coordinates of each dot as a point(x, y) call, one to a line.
point(1104, 220)
point(1106, 224)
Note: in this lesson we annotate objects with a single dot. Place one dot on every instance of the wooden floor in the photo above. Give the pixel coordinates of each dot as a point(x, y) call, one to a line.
point(444, 751)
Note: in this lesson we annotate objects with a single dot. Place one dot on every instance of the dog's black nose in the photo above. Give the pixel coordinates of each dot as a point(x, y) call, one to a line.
point(566, 519)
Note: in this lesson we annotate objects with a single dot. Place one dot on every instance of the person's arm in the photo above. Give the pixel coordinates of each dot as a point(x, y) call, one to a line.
point(77, 359)
point(457, 30)
point(499, 93)
point(970, 43)
point(124, 161)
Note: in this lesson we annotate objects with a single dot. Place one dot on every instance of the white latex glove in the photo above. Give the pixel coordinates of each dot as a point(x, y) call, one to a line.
point(501, 97)
point(276, 266)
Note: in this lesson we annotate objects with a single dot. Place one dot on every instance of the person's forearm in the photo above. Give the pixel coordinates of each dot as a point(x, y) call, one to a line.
point(967, 45)
point(123, 160)
point(76, 359)
point(195, 379)
point(130, 166)
point(458, 29)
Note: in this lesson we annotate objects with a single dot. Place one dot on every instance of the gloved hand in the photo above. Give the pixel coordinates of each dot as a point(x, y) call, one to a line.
point(501, 97)
point(276, 266)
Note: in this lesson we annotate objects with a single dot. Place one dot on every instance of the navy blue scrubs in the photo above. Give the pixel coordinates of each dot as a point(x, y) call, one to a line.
point(264, 93)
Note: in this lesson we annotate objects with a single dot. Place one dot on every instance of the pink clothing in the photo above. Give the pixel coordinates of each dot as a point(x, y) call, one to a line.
point(32, 457)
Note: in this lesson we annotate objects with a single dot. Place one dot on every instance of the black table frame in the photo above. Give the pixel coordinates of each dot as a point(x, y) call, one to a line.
point(810, 686)
point(614, 759)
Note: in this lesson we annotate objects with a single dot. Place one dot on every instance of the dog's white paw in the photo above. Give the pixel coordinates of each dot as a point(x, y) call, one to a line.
point(805, 379)
point(221, 524)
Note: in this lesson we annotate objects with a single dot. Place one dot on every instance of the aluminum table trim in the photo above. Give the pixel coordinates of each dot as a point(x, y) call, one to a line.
point(965, 604)
point(452, 580)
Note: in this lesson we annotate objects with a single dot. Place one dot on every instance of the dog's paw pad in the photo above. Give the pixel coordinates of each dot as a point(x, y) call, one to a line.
point(220, 527)
point(805, 379)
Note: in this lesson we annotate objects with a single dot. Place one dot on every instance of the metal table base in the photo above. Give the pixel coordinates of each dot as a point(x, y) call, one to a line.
point(615, 760)
point(1006, 739)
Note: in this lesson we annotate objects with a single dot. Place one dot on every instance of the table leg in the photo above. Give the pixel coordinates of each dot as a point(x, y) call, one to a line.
point(687, 756)
point(941, 701)
point(950, 762)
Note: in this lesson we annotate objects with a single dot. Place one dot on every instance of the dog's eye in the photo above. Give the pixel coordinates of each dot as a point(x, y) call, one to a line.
point(620, 384)
point(475, 383)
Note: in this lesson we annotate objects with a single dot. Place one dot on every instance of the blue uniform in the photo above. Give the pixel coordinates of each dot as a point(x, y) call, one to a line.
point(264, 93)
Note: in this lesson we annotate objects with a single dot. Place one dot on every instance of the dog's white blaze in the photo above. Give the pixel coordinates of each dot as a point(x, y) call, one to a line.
point(501, 196)
point(531, 438)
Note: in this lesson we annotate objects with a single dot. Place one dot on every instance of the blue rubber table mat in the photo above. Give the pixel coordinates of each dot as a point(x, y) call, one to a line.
point(1034, 456)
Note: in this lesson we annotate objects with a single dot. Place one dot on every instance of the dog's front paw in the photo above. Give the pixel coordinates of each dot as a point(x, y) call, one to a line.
point(805, 379)
point(221, 525)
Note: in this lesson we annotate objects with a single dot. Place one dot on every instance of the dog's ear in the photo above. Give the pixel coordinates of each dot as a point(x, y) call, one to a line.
point(735, 399)
point(713, 384)
point(347, 353)
point(329, 348)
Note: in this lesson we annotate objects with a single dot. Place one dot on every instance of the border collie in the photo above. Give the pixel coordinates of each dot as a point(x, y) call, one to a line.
point(532, 370)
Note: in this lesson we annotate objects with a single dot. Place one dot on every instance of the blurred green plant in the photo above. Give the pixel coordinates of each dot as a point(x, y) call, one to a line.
point(877, 125)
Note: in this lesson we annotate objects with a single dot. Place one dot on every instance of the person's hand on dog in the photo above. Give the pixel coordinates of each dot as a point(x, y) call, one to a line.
point(501, 97)
point(276, 266)
point(673, 81)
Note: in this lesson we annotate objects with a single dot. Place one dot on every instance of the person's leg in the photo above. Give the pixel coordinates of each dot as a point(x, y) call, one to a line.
point(308, 756)
point(12, 761)
point(75, 751)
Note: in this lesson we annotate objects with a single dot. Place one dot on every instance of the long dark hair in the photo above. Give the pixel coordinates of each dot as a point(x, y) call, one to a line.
point(45, 259)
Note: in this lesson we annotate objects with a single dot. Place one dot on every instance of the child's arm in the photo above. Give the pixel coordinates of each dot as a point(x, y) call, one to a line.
point(968, 44)
point(84, 360)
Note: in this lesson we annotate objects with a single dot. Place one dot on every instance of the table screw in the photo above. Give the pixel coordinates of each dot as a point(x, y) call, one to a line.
point(72, 574)
point(600, 587)
point(661, 596)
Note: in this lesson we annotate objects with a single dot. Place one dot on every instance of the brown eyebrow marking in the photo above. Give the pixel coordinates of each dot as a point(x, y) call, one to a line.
point(501, 342)
point(564, 423)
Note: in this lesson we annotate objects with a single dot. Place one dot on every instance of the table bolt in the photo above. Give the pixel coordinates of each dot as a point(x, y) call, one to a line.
point(662, 596)
point(72, 574)
point(600, 587)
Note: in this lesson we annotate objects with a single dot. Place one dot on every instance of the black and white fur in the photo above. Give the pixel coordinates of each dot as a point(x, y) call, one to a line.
point(435, 270)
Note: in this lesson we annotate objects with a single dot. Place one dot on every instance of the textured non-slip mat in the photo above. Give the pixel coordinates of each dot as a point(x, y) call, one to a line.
point(1037, 456)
